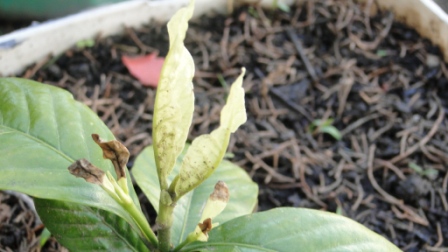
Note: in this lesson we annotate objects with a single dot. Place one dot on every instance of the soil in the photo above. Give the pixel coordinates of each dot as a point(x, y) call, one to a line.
point(384, 86)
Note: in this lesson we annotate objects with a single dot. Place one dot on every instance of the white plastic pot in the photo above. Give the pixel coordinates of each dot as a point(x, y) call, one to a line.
point(27, 46)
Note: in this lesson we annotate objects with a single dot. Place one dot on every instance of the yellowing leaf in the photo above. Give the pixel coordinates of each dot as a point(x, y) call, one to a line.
point(174, 103)
point(216, 202)
point(207, 151)
point(234, 112)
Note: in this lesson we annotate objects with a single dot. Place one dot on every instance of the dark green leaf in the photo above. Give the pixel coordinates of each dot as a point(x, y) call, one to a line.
point(88, 228)
point(42, 131)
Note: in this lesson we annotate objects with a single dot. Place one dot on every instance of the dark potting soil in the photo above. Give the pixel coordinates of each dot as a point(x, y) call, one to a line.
point(384, 86)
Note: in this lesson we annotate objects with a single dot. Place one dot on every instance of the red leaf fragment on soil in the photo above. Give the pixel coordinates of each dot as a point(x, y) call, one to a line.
point(145, 68)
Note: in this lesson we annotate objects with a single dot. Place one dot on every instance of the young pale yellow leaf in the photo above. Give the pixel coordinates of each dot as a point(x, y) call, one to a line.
point(174, 105)
point(216, 202)
point(207, 151)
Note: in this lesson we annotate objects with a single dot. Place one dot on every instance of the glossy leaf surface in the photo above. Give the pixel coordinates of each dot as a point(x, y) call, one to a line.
point(243, 193)
point(42, 131)
point(293, 229)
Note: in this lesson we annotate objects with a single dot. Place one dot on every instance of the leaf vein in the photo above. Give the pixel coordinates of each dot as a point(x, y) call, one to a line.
point(228, 244)
point(54, 119)
point(186, 217)
point(36, 139)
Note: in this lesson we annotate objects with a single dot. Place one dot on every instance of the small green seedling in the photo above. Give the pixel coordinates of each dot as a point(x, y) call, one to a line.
point(325, 126)
point(44, 236)
point(203, 202)
point(381, 53)
point(430, 173)
point(85, 43)
point(253, 12)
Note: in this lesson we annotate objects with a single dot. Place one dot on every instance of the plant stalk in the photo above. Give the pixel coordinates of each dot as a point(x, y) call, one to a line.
point(143, 224)
point(190, 238)
point(164, 222)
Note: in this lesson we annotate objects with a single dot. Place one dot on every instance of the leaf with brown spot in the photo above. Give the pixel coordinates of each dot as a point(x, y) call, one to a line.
point(207, 151)
point(84, 169)
point(201, 231)
point(174, 104)
point(115, 152)
point(242, 189)
point(221, 192)
point(37, 148)
point(216, 202)
point(206, 226)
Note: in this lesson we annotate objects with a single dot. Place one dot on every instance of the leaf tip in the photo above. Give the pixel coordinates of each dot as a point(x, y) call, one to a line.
point(221, 192)
point(115, 152)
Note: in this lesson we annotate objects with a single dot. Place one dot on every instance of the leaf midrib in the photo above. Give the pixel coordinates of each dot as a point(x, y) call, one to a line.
point(227, 244)
point(186, 214)
point(112, 228)
point(37, 140)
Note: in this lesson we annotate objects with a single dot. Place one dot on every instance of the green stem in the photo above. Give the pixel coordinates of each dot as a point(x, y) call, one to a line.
point(165, 221)
point(190, 238)
point(142, 223)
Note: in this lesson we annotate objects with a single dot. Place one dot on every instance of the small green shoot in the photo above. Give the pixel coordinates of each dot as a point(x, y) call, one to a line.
point(339, 211)
point(325, 126)
point(85, 43)
point(253, 12)
point(381, 53)
point(223, 82)
point(430, 173)
point(44, 236)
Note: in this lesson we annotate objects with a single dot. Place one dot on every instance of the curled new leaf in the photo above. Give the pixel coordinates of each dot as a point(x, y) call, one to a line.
point(84, 169)
point(207, 151)
point(204, 228)
point(115, 152)
point(215, 204)
point(174, 103)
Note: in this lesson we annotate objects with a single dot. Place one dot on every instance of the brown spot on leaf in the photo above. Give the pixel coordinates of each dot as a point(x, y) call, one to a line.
point(84, 169)
point(206, 226)
point(221, 192)
point(115, 152)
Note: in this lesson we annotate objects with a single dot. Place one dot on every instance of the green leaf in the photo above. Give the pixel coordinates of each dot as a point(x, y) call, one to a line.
point(243, 193)
point(283, 229)
point(325, 127)
point(432, 174)
point(42, 131)
point(44, 236)
point(428, 172)
point(174, 105)
point(417, 168)
point(206, 152)
point(332, 131)
point(85, 43)
point(320, 123)
point(88, 229)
